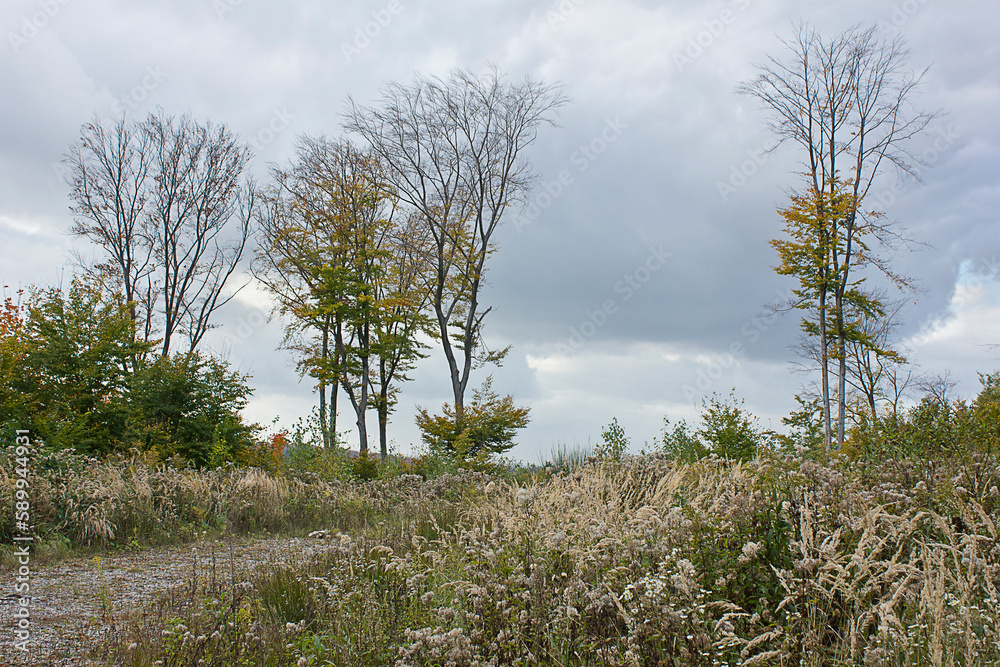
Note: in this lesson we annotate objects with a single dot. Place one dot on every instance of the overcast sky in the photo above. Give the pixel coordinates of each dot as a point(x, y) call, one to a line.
point(624, 289)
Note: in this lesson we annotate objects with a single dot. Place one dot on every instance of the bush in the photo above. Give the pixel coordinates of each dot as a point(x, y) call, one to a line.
point(189, 405)
point(482, 429)
point(67, 367)
point(614, 442)
point(76, 376)
point(729, 431)
point(934, 428)
point(680, 445)
point(726, 430)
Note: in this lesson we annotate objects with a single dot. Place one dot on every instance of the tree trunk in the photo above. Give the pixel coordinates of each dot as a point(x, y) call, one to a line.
point(824, 370)
point(325, 353)
point(383, 409)
point(332, 421)
point(841, 388)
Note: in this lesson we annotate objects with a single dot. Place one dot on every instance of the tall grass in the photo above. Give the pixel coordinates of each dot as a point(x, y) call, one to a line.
point(79, 501)
point(642, 562)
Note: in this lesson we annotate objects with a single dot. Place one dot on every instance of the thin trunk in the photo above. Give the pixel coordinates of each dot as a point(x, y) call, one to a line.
point(824, 369)
point(841, 387)
point(325, 352)
point(361, 409)
point(322, 414)
point(359, 395)
point(383, 409)
point(443, 319)
point(332, 420)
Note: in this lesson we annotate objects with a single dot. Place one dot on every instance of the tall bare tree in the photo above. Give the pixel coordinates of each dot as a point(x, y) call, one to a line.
point(201, 192)
point(169, 201)
point(454, 152)
point(846, 102)
point(110, 174)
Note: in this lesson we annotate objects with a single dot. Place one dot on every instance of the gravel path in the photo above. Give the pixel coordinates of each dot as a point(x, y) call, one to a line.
point(69, 598)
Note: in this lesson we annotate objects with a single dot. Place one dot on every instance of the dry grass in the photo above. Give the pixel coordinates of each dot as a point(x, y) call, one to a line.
point(771, 562)
point(83, 502)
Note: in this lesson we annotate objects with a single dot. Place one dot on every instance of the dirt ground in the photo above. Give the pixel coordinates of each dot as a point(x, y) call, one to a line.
point(74, 601)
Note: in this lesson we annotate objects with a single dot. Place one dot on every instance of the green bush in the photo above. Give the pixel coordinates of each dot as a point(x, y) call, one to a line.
point(482, 429)
point(933, 429)
point(679, 444)
point(729, 431)
point(726, 430)
point(614, 442)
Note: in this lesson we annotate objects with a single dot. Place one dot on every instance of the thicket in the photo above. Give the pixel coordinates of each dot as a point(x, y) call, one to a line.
point(76, 376)
point(763, 551)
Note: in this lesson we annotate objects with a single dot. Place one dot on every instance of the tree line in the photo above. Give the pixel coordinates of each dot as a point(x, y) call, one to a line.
point(375, 244)
point(373, 251)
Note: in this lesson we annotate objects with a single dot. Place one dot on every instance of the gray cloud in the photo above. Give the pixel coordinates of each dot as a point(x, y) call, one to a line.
point(684, 171)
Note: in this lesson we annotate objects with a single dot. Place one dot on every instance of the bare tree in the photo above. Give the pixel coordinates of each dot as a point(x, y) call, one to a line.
point(453, 150)
point(161, 198)
point(873, 368)
point(110, 175)
point(846, 102)
point(938, 388)
point(200, 190)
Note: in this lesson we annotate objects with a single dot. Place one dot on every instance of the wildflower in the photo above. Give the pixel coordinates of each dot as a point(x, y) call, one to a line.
point(750, 551)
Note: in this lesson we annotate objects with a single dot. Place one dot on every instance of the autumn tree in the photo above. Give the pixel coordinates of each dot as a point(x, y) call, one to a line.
point(846, 103)
point(294, 243)
point(349, 272)
point(169, 202)
point(453, 151)
point(74, 351)
point(403, 296)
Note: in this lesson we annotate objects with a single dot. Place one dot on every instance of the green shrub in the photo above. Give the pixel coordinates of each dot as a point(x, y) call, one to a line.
point(679, 444)
point(729, 431)
point(614, 442)
point(483, 428)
